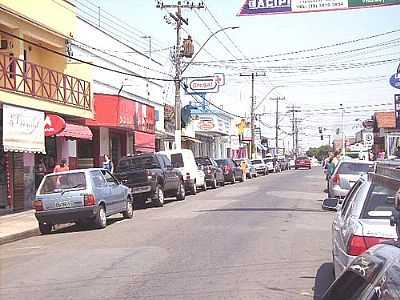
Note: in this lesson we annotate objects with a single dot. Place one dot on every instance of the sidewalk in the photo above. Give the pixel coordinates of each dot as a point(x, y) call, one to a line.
point(18, 226)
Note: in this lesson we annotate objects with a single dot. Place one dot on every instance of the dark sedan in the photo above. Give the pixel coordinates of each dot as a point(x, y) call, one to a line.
point(232, 171)
point(214, 175)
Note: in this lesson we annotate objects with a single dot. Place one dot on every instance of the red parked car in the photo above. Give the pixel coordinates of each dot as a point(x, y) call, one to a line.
point(302, 163)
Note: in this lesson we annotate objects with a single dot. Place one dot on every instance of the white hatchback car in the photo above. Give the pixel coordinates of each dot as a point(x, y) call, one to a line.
point(184, 160)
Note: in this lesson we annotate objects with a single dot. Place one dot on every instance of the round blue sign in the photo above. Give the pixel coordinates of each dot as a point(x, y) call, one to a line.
point(395, 81)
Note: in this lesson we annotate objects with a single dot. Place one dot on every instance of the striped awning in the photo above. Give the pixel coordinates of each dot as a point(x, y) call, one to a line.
point(77, 132)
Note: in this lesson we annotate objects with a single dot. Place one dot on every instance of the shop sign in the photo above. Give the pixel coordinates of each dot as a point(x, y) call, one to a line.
point(23, 129)
point(395, 81)
point(53, 125)
point(207, 84)
point(265, 7)
point(206, 124)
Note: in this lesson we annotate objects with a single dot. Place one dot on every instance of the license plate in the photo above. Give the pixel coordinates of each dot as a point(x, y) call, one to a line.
point(141, 189)
point(63, 204)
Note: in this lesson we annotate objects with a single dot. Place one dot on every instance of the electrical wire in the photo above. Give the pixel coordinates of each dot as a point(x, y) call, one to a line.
point(83, 61)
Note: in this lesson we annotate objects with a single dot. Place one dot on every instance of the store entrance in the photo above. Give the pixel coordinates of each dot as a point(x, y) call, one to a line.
point(117, 146)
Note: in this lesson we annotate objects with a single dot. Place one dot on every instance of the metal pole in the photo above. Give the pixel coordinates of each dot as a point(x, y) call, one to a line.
point(343, 136)
point(293, 132)
point(276, 127)
point(253, 104)
point(178, 125)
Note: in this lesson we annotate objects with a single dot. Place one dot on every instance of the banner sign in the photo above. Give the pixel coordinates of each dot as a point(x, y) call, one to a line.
point(23, 130)
point(266, 7)
point(207, 84)
point(397, 109)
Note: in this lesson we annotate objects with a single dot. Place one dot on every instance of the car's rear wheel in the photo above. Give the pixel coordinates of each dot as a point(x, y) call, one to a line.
point(45, 228)
point(128, 213)
point(193, 188)
point(204, 187)
point(158, 199)
point(100, 220)
point(180, 193)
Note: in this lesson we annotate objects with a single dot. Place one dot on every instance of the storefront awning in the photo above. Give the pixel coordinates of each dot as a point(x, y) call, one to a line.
point(77, 131)
point(186, 138)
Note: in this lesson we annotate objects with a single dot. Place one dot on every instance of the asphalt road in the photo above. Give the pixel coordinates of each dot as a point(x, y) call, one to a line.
point(266, 238)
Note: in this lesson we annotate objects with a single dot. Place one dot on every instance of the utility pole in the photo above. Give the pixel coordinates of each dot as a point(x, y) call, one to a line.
point(179, 20)
point(252, 113)
point(294, 110)
point(343, 136)
point(277, 99)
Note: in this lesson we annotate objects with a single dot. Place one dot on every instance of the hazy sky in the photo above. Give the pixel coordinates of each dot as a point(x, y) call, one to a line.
point(310, 80)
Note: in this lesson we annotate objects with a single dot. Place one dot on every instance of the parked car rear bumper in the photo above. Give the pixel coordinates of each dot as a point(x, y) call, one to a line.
point(303, 166)
point(338, 192)
point(67, 215)
point(228, 176)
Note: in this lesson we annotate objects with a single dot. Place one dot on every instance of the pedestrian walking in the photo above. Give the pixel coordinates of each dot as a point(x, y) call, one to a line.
point(244, 167)
point(61, 167)
point(108, 164)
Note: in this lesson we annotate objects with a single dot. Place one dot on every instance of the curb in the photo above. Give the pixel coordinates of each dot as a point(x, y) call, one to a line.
point(19, 236)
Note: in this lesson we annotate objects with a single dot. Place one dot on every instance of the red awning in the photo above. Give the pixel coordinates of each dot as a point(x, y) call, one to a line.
point(77, 131)
point(144, 142)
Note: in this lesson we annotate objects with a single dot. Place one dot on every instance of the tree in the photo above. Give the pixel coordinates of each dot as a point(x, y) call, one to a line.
point(319, 153)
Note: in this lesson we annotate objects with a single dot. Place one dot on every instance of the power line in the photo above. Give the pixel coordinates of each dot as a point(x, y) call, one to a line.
point(83, 61)
point(317, 48)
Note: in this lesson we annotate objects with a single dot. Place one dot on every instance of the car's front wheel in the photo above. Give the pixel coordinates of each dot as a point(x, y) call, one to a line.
point(193, 189)
point(100, 220)
point(128, 213)
point(45, 228)
point(180, 193)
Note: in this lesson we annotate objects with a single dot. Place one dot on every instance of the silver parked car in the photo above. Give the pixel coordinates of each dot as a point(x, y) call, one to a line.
point(346, 175)
point(260, 166)
point(80, 196)
point(363, 219)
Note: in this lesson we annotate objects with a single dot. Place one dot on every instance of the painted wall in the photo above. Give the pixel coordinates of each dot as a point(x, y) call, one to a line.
point(59, 15)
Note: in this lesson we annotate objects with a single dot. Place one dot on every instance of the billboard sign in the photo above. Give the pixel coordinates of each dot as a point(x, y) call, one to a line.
point(267, 7)
point(206, 84)
point(368, 139)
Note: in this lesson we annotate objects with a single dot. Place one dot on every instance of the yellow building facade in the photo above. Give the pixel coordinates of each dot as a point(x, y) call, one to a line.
point(37, 79)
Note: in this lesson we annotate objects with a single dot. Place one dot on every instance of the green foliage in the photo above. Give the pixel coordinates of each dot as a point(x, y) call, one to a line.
point(319, 153)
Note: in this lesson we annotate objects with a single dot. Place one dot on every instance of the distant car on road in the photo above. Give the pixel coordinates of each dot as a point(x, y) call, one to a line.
point(251, 170)
point(269, 162)
point(184, 160)
point(363, 219)
point(232, 171)
point(346, 175)
point(151, 176)
point(260, 166)
point(302, 162)
point(82, 196)
point(214, 175)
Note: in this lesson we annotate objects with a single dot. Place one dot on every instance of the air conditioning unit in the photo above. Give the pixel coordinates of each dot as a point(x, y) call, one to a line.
point(4, 44)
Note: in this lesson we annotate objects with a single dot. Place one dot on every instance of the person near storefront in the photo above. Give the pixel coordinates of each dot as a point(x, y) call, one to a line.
point(61, 167)
point(108, 164)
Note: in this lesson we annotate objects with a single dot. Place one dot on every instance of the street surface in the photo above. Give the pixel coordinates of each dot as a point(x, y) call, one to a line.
point(266, 238)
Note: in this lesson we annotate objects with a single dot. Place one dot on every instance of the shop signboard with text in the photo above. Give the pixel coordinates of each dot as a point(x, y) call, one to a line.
point(205, 84)
point(23, 130)
point(266, 7)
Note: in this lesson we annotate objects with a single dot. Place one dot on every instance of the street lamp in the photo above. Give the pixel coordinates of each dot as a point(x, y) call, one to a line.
point(201, 48)
point(178, 80)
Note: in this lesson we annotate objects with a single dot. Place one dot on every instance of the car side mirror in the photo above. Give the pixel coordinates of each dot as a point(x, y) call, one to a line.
point(331, 204)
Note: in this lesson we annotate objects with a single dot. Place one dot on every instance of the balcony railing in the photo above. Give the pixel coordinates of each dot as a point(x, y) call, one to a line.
point(20, 76)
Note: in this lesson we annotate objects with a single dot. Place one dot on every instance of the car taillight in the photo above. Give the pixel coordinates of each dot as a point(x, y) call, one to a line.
point(359, 244)
point(89, 200)
point(336, 179)
point(37, 205)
